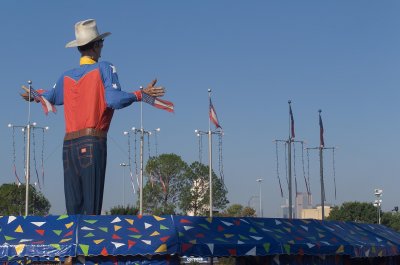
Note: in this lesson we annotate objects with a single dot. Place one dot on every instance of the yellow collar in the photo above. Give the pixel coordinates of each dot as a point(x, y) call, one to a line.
point(87, 60)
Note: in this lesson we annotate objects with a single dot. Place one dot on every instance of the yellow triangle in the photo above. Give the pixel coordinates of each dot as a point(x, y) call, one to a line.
point(56, 259)
point(65, 240)
point(117, 227)
point(98, 241)
point(158, 218)
point(209, 219)
point(162, 248)
point(155, 233)
point(19, 229)
point(130, 221)
point(287, 229)
point(340, 249)
point(193, 241)
point(229, 235)
point(69, 225)
point(19, 248)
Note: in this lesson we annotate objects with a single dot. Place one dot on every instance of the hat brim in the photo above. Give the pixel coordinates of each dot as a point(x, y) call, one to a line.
point(76, 43)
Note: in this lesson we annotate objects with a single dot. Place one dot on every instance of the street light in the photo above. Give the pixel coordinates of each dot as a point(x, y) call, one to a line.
point(123, 165)
point(378, 202)
point(259, 182)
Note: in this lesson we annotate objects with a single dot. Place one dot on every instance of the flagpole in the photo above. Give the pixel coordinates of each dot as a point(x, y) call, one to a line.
point(141, 157)
point(290, 164)
point(210, 157)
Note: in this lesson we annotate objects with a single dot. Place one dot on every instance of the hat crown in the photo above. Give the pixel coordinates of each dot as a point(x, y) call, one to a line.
point(85, 32)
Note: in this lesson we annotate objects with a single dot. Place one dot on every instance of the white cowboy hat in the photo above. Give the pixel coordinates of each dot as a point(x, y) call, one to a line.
point(85, 32)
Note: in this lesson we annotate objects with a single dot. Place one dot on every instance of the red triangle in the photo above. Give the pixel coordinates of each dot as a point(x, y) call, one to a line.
point(200, 235)
point(220, 228)
point(114, 236)
point(131, 243)
point(184, 221)
point(140, 216)
point(104, 252)
point(68, 234)
point(40, 232)
point(164, 239)
point(186, 247)
point(237, 222)
point(232, 252)
point(38, 242)
point(301, 251)
point(133, 229)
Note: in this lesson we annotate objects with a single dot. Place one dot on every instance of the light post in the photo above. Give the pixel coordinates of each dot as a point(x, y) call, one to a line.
point(28, 129)
point(123, 165)
point(155, 139)
point(378, 202)
point(259, 182)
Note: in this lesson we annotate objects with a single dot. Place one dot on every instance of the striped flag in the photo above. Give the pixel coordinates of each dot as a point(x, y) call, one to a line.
point(213, 116)
point(47, 106)
point(158, 103)
point(321, 132)
point(291, 122)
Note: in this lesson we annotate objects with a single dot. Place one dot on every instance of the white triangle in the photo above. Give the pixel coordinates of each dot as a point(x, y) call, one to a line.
point(304, 227)
point(267, 230)
point(211, 247)
point(148, 242)
point(39, 224)
point(226, 223)
point(277, 222)
point(256, 237)
point(11, 218)
point(251, 252)
point(25, 240)
point(188, 227)
point(146, 225)
point(86, 228)
point(310, 245)
point(326, 243)
point(276, 259)
point(116, 220)
point(240, 242)
point(379, 240)
point(367, 253)
point(330, 229)
point(244, 221)
point(117, 245)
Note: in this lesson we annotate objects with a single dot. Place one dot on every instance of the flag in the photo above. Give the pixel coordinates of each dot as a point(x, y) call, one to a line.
point(321, 132)
point(213, 116)
point(158, 103)
point(47, 106)
point(291, 122)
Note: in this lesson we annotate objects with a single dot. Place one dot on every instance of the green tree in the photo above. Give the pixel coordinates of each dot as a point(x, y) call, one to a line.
point(165, 175)
point(12, 201)
point(361, 212)
point(195, 193)
point(391, 220)
point(121, 210)
point(238, 210)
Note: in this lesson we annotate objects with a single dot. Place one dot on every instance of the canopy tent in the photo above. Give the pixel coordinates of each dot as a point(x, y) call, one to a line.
point(164, 238)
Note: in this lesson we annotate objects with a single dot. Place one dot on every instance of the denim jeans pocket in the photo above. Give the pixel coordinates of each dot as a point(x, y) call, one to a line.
point(85, 157)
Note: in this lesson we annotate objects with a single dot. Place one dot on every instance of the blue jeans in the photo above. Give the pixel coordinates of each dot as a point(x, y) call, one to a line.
point(84, 162)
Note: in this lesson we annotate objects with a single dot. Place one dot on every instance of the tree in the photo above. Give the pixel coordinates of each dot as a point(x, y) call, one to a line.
point(238, 210)
point(361, 212)
point(165, 176)
point(195, 194)
point(391, 220)
point(121, 210)
point(12, 201)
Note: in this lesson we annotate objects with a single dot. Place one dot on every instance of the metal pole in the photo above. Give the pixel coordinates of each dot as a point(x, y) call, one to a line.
point(290, 177)
point(321, 171)
point(210, 158)
point(260, 198)
point(27, 177)
point(141, 172)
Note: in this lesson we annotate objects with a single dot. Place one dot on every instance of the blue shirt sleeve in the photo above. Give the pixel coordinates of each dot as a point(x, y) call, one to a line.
point(56, 95)
point(115, 97)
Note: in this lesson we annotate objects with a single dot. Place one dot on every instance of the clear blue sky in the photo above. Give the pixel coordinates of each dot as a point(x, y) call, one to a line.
point(342, 57)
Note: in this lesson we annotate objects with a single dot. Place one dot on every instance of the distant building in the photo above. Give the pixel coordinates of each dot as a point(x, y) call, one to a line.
point(316, 213)
point(302, 201)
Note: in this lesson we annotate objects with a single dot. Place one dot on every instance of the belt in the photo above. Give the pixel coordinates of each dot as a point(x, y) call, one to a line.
point(84, 132)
